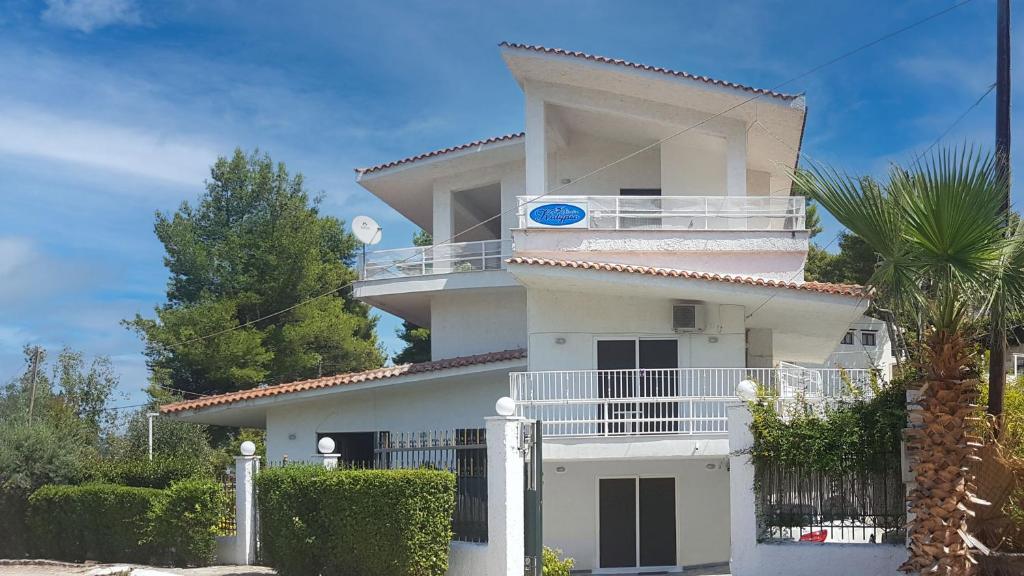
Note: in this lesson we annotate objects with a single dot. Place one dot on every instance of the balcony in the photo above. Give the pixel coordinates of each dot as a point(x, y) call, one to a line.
point(427, 260)
point(678, 401)
point(698, 213)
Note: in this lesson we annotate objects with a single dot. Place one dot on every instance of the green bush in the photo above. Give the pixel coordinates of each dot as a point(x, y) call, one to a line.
point(92, 522)
point(356, 522)
point(555, 565)
point(145, 473)
point(111, 523)
point(185, 529)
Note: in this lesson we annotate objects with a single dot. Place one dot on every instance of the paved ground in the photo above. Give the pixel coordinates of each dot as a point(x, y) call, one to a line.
point(62, 569)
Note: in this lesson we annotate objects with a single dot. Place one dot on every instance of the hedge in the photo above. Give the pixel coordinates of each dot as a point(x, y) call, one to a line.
point(110, 523)
point(355, 522)
point(145, 473)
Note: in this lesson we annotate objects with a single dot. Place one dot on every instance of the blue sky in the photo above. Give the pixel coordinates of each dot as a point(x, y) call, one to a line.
point(113, 109)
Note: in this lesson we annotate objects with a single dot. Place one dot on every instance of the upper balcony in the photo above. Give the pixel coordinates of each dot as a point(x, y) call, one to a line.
point(663, 213)
point(757, 236)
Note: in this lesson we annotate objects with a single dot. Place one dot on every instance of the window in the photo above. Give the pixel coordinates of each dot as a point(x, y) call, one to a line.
point(867, 338)
point(354, 449)
point(848, 337)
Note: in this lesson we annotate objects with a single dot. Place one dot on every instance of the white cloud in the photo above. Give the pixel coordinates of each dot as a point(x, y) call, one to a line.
point(89, 15)
point(36, 133)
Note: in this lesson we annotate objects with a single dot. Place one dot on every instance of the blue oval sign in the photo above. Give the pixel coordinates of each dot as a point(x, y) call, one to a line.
point(557, 214)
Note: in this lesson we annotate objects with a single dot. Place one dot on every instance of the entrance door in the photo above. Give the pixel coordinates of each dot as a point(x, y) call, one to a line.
point(637, 522)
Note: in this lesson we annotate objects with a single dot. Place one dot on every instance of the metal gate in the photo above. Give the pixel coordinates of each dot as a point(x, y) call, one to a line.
point(533, 500)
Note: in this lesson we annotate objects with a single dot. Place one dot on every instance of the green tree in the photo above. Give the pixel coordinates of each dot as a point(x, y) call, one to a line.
point(254, 245)
point(937, 228)
point(416, 338)
point(854, 263)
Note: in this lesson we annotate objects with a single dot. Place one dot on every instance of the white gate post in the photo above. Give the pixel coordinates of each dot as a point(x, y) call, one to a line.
point(742, 515)
point(506, 541)
point(246, 467)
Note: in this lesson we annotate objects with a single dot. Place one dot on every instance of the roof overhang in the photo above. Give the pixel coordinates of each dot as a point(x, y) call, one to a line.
point(252, 412)
point(775, 121)
point(407, 185)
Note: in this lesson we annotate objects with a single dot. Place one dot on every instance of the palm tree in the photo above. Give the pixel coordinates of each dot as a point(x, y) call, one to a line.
point(944, 256)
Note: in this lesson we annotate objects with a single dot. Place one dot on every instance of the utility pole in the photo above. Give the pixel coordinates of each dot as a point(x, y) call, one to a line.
point(35, 373)
point(997, 357)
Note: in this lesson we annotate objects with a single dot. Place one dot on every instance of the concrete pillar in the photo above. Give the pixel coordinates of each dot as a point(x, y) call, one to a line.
point(506, 547)
point(246, 468)
point(742, 515)
point(736, 162)
point(536, 145)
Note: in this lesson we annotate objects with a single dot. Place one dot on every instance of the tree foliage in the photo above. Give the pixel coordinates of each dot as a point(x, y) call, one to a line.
point(416, 338)
point(255, 244)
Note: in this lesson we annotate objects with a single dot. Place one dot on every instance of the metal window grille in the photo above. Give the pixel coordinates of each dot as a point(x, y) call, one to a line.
point(462, 452)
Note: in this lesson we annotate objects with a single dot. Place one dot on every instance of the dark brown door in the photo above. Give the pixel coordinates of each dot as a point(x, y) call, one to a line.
point(620, 357)
point(657, 522)
point(659, 378)
point(617, 509)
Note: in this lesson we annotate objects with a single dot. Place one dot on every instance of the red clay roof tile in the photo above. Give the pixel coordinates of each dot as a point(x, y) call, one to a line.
point(851, 290)
point(473, 144)
point(342, 380)
point(647, 67)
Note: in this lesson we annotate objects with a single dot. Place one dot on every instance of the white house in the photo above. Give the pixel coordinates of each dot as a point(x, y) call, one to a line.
point(617, 269)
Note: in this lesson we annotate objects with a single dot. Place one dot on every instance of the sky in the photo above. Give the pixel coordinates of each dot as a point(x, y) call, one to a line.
point(111, 110)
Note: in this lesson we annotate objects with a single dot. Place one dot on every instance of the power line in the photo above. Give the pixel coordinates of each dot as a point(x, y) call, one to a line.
point(753, 98)
point(803, 154)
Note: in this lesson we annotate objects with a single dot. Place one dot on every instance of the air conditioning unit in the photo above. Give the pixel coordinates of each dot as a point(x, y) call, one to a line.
point(688, 317)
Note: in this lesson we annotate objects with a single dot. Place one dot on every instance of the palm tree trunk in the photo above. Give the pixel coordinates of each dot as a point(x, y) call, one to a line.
point(942, 450)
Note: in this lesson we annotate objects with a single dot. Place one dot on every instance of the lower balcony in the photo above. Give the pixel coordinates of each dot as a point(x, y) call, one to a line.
point(658, 402)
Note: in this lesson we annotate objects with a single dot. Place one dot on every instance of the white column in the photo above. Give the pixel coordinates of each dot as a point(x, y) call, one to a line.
point(246, 468)
point(536, 145)
point(506, 547)
point(736, 162)
point(742, 518)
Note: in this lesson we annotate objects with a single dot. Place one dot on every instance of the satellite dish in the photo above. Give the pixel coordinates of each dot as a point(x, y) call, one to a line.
point(366, 230)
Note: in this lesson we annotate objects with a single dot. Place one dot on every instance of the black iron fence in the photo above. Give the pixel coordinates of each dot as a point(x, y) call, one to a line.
point(461, 451)
point(226, 521)
point(866, 505)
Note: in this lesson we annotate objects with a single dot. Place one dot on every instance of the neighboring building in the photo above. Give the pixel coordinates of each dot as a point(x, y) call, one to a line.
point(622, 306)
point(865, 345)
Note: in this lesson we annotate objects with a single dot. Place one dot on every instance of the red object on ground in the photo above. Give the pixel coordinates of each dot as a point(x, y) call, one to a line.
point(818, 536)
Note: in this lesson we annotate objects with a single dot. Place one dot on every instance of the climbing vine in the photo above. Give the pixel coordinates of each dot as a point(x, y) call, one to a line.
point(857, 434)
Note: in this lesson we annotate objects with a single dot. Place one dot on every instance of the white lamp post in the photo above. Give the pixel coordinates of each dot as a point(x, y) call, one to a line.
point(747, 390)
point(326, 448)
point(505, 406)
point(150, 416)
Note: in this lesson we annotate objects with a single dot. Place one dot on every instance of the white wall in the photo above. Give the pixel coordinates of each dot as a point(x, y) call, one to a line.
point(456, 402)
point(510, 178)
point(693, 166)
point(860, 356)
point(475, 322)
point(702, 506)
point(586, 153)
point(582, 318)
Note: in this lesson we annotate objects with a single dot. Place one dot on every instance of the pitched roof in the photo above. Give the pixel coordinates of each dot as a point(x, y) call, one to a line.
point(343, 380)
point(648, 68)
point(466, 146)
point(851, 290)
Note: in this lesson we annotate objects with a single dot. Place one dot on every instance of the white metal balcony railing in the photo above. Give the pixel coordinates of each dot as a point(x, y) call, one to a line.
point(442, 259)
point(762, 213)
point(580, 403)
